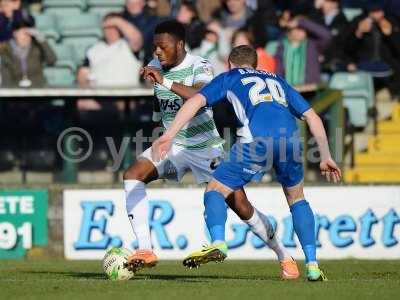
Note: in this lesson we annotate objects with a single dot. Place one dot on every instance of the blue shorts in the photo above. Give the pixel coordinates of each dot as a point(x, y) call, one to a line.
point(249, 162)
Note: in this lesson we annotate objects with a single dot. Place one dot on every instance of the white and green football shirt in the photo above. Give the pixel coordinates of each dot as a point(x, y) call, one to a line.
point(200, 132)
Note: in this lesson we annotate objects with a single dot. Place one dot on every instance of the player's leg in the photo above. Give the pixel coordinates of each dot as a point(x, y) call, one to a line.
point(135, 178)
point(262, 227)
point(304, 226)
point(228, 177)
point(289, 171)
point(143, 171)
point(215, 215)
point(257, 221)
point(215, 210)
point(202, 163)
point(290, 174)
point(303, 220)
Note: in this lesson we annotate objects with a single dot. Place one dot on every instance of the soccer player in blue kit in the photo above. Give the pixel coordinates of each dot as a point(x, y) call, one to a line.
point(267, 108)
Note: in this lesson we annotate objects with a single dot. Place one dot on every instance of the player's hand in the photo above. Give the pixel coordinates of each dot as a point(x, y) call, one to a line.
point(152, 74)
point(160, 147)
point(330, 170)
point(144, 73)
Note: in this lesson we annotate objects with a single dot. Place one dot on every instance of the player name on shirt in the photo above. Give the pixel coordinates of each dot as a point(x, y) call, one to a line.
point(244, 71)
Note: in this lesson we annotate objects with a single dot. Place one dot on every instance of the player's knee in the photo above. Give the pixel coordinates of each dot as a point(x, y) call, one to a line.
point(218, 187)
point(213, 186)
point(133, 173)
point(129, 174)
point(294, 195)
point(141, 170)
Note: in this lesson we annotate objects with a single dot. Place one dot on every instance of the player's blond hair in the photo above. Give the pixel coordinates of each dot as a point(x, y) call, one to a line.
point(243, 56)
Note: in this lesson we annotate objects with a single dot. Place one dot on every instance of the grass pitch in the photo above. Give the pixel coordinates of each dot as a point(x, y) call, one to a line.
point(59, 279)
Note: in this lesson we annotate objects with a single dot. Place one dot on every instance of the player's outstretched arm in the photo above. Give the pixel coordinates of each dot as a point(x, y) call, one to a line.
point(328, 167)
point(162, 145)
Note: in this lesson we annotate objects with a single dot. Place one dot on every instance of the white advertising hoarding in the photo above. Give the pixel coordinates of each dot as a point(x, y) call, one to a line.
point(359, 222)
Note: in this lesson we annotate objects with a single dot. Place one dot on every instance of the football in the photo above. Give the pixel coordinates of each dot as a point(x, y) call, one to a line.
point(114, 264)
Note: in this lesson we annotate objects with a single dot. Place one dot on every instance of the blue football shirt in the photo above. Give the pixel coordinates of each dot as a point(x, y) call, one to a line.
point(264, 103)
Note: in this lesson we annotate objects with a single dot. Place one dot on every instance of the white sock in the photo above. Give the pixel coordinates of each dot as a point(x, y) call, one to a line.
point(312, 263)
point(137, 207)
point(262, 227)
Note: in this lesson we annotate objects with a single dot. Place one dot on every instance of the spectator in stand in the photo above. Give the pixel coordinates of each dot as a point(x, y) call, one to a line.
point(159, 8)
point(265, 61)
point(11, 14)
point(257, 24)
point(299, 51)
point(136, 14)
point(195, 28)
point(206, 8)
point(233, 15)
point(209, 50)
point(264, 22)
point(23, 57)
point(111, 62)
point(331, 16)
point(374, 46)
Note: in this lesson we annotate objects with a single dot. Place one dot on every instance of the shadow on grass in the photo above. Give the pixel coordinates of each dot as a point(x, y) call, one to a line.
point(83, 275)
point(204, 278)
point(164, 277)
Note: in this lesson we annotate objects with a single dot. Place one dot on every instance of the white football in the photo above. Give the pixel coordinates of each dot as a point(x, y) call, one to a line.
point(114, 263)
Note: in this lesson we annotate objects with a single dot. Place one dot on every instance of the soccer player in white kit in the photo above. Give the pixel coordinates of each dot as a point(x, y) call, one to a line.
point(177, 76)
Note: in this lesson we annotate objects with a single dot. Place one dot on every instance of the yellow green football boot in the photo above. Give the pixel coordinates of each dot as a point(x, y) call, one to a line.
point(314, 273)
point(216, 253)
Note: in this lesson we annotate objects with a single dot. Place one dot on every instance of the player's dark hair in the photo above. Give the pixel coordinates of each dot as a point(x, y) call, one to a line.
point(243, 55)
point(173, 28)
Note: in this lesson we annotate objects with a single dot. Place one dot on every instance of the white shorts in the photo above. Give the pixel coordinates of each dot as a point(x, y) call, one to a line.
point(179, 161)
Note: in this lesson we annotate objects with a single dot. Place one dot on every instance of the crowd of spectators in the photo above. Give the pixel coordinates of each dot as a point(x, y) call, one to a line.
point(312, 37)
point(306, 41)
point(23, 49)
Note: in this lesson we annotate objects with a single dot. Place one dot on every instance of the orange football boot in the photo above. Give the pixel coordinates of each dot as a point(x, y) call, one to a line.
point(289, 269)
point(142, 259)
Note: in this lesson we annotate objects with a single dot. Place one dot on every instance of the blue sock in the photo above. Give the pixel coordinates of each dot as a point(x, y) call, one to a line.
point(304, 226)
point(215, 215)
